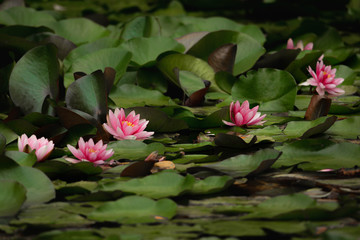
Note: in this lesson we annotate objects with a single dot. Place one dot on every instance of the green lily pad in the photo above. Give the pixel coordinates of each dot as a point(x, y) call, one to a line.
point(347, 128)
point(128, 95)
point(50, 215)
point(292, 206)
point(69, 234)
point(134, 209)
point(88, 94)
point(25, 16)
point(317, 154)
point(306, 129)
point(23, 159)
point(102, 43)
point(245, 165)
point(7, 133)
point(12, 196)
point(34, 78)
point(248, 49)
point(134, 150)
point(159, 185)
point(38, 187)
point(116, 58)
point(272, 89)
point(79, 30)
point(210, 185)
point(189, 63)
point(146, 50)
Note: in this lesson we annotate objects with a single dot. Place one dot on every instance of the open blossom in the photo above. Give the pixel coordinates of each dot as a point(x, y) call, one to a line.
point(324, 79)
point(300, 45)
point(90, 152)
point(126, 127)
point(42, 146)
point(242, 115)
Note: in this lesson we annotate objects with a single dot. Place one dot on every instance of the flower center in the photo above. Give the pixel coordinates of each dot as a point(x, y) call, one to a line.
point(128, 123)
point(326, 75)
point(92, 150)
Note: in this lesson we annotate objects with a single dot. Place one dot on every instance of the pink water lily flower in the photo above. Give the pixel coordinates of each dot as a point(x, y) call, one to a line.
point(42, 146)
point(299, 45)
point(242, 115)
point(126, 127)
point(90, 152)
point(324, 79)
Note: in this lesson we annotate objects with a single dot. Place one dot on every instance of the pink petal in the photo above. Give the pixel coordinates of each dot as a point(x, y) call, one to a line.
point(239, 120)
point(77, 153)
point(290, 44)
point(143, 135)
point(229, 123)
point(309, 46)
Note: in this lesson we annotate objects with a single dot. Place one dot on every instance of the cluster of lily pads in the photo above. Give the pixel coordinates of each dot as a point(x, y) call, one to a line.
point(152, 127)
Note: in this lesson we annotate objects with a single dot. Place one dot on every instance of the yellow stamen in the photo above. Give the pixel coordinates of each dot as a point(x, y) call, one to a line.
point(92, 150)
point(128, 123)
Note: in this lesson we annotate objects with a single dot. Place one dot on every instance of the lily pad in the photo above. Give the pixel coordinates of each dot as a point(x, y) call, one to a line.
point(12, 196)
point(134, 150)
point(317, 154)
point(38, 187)
point(244, 165)
point(306, 129)
point(159, 185)
point(128, 95)
point(134, 209)
point(272, 89)
point(34, 78)
point(210, 185)
point(146, 50)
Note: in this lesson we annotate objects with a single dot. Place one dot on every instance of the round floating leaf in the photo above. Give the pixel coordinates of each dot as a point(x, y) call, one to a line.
point(134, 209)
point(146, 50)
point(196, 24)
point(128, 95)
point(115, 58)
point(52, 214)
point(34, 78)
point(102, 43)
point(25, 16)
point(88, 94)
point(317, 154)
point(233, 141)
point(39, 188)
point(274, 90)
point(79, 30)
point(247, 53)
point(12, 196)
point(244, 165)
point(23, 159)
point(292, 206)
point(347, 128)
point(159, 185)
point(212, 184)
point(7, 133)
point(82, 234)
point(347, 73)
point(188, 63)
point(306, 129)
point(134, 150)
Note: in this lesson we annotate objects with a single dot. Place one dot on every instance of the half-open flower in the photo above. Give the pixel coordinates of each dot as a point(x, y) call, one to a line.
point(242, 115)
point(299, 45)
point(42, 146)
point(126, 127)
point(324, 79)
point(90, 152)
